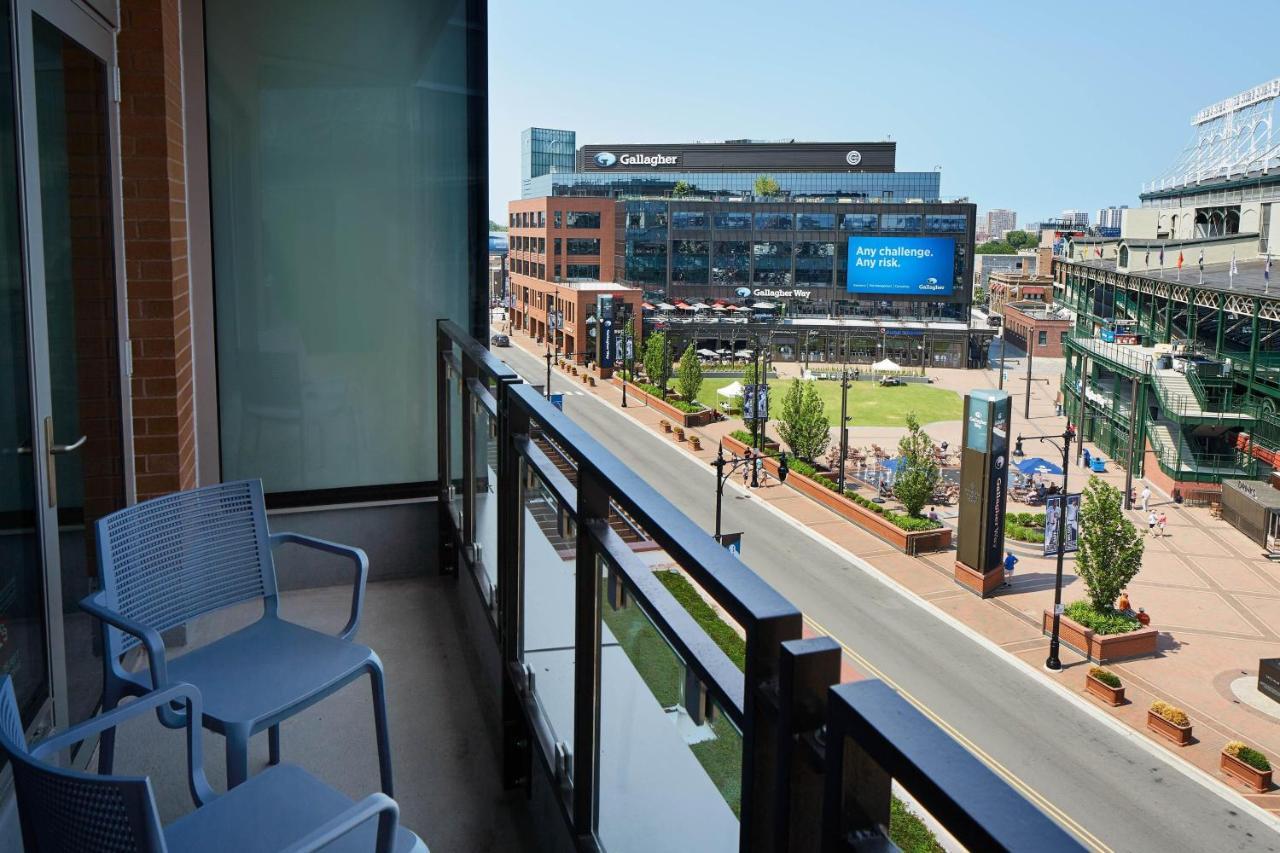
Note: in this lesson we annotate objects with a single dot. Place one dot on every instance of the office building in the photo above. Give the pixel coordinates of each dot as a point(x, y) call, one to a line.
point(985, 265)
point(1190, 270)
point(1108, 219)
point(1000, 222)
point(690, 229)
point(543, 151)
point(1076, 218)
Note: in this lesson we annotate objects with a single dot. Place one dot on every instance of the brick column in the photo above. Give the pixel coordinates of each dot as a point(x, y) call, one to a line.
point(155, 245)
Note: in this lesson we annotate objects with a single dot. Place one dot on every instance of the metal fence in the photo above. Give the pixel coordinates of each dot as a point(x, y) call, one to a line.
point(655, 727)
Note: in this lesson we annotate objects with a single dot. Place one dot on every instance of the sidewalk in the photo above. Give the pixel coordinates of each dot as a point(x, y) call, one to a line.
point(1207, 587)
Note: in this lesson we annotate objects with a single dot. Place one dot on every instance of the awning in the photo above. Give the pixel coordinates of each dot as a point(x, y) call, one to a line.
point(886, 364)
point(646, 306)
point(763, 306)
point(733, 389)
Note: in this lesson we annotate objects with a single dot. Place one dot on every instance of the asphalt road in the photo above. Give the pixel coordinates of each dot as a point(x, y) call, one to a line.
point(1099, 783)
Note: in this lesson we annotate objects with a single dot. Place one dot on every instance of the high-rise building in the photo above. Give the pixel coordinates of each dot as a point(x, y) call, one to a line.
point(1109, 217)
point(1078, 218)
point(1000, 221)
point(544, 150)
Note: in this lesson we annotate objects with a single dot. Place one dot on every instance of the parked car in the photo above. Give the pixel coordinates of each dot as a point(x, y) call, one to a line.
point(500, 341)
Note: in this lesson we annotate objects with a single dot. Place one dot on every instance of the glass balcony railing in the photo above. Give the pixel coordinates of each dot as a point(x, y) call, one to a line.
point(659, 689)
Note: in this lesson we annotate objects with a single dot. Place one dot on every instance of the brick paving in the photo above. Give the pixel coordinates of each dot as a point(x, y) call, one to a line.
point(1209, 589)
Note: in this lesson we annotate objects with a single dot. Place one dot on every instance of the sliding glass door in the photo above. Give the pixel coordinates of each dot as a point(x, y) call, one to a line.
point(62, 348)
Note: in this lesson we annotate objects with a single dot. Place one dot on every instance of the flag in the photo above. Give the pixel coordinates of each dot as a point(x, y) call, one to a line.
point(1266, 271)
point(1099, 250)
point(1201, 261)
point(1233, 263)
point(1179, 259)
point(1147, 261)
point(1162, 257)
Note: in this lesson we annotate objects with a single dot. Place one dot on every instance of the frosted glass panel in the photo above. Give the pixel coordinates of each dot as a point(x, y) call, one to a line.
point(338, 186)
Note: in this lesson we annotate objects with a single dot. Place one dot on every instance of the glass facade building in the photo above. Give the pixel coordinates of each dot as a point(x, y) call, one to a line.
point(855, 186)
point(544, 150)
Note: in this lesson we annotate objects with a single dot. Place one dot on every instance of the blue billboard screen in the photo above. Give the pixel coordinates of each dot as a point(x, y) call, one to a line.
point(901, 265)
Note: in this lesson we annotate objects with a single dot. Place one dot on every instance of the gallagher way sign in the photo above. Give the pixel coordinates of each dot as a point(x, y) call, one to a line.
point(922, 266)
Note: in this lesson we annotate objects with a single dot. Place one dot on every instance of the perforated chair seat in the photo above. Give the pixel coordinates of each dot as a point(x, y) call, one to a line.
point(265, 673)
point(271, 811)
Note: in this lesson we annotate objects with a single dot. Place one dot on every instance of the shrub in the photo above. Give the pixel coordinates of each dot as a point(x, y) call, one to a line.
point(902, 522)
point(1247, 754)
point(743, 435)
point(1172, 713)
point(1106, 676)
point(1104, 622)
point(1020, 533)
point(717, 629)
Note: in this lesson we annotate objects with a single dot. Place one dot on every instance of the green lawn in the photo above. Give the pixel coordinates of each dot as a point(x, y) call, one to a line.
point(869, 404)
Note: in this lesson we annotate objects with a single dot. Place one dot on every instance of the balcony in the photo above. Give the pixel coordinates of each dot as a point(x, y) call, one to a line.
point(581, 667)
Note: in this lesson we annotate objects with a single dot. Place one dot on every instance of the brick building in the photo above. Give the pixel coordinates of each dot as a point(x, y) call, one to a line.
point(562, 259)
point(1010, 287)
point(1032, 327)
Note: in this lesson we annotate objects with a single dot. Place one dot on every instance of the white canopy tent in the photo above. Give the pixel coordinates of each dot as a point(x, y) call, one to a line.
point(665, 306)
point(886, 365)
point(707, 353)
point(733, 389)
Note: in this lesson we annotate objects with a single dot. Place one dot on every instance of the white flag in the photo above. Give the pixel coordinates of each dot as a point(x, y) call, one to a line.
point(1233, 262)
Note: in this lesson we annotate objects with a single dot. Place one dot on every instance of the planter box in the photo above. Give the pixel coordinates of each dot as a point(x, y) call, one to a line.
point(1102, 648)
point(1258, 780)
point(677, 417)
point(914, 542)
point(1179, 735)
point(1113, 696)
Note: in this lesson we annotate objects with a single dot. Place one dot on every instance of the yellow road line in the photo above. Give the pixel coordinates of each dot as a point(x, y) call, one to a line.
point(1026, 790)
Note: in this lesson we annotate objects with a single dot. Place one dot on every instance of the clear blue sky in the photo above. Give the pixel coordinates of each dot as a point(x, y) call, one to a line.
point(1035, 107)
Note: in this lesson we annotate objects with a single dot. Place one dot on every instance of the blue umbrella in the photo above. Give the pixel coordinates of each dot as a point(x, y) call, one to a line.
point(1035, 463)
point(891, 465)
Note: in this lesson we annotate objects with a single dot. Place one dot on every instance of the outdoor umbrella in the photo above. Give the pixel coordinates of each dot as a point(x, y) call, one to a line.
point(1036, 463)
point(763, 306)
point(666, 306)
point(707, 353)
point(891, 464)
point(698, 306)
point(733, 389)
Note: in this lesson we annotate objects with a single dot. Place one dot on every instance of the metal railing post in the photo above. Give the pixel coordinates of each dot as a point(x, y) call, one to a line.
point(468, 403)
point(593, 511)
point(444, 482)
point(760, 761)
point(517, 741)
point(807, 670)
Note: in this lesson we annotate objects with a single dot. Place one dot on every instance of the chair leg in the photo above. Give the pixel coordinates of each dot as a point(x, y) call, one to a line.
point(273, 744)
point(378, 682)
point(107, 743)
point(237, 755)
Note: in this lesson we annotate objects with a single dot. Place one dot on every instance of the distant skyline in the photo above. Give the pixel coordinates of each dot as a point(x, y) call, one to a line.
point(1023, 106)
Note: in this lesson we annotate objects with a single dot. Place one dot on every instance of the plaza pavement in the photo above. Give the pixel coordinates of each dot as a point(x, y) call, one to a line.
point(1209, 590)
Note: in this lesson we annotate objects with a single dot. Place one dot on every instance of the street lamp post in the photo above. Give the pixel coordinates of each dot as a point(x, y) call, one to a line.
point(844, 422)
point(1026, 409)
point(725, 468)
point(628, 361)
point(1068, 434)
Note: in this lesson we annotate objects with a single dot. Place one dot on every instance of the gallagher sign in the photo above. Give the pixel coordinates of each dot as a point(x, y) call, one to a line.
point(922, 266)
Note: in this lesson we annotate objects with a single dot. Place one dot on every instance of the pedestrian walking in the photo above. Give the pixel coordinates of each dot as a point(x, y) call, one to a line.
point(1087, 458)
point(761, 473)
point(1161, 522)
point(1146, 496)
point(1009, 562)
point(1151, 523)
point(746, 471)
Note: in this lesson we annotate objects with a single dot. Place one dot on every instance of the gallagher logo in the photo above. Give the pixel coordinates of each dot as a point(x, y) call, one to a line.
point(604, 159)
point(743, 291)
point(853, 158)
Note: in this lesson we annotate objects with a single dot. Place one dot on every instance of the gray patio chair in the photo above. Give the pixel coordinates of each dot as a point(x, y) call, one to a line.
point(165, 562)
point(282, 808)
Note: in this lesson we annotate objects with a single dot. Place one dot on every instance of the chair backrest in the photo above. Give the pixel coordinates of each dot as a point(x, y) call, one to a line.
point(171, 559)
point(67, 810)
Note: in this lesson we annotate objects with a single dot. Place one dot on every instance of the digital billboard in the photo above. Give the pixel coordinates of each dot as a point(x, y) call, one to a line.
point(922, 266)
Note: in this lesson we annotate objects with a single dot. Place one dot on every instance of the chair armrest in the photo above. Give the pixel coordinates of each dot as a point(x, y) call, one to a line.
point(386, 810)
point(150, 637)
point(356, 555)
point(201, 792)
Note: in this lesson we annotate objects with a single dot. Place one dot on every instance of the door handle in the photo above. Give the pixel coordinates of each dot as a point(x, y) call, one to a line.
point(52, 450)
point(67, 448)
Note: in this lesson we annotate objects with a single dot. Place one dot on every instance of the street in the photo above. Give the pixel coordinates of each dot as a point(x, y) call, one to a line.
point(1099, 783)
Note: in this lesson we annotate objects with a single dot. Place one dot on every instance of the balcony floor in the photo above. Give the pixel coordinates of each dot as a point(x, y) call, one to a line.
point(445, 757)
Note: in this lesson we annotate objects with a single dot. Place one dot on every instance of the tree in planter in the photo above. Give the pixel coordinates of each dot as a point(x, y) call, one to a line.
point(689, 375)
point(657, 360)
point(918, 471)
point(767, 186)
point(1110, 548)
point(681, 189)
point(802, 423)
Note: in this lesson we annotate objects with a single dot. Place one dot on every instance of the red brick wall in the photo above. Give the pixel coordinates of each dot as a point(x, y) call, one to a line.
point(155, 235)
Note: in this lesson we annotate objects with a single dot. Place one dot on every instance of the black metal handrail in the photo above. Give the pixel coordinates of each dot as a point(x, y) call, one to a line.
point(778, 704)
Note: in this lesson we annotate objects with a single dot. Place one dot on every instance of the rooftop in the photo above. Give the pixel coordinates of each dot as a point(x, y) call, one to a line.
point(1249, 278)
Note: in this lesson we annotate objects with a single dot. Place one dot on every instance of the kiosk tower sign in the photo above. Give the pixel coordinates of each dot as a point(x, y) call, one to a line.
point(984, 483)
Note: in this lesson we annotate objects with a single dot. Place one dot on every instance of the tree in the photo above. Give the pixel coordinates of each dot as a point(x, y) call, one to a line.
point(994, 247)
point(493, 226)
point(918, 471)
point(1022, 239)
point(657, 360)
point(689, 375)
point(1110, 547)
point(766, 186)
point(681, 189)
point(803, 424)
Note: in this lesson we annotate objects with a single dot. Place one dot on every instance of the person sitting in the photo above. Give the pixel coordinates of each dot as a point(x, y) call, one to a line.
point(933, 514)
point(1041, 490)
point(1122, 603)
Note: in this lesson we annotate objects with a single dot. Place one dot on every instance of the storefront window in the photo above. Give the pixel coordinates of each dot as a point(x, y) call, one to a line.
point(815, 221)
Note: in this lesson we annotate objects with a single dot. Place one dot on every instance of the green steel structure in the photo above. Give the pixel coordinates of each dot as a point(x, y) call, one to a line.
point(1128, 399)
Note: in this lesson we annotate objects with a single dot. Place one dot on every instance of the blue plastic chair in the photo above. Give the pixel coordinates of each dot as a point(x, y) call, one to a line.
point(282, 808)
point(169, 560)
